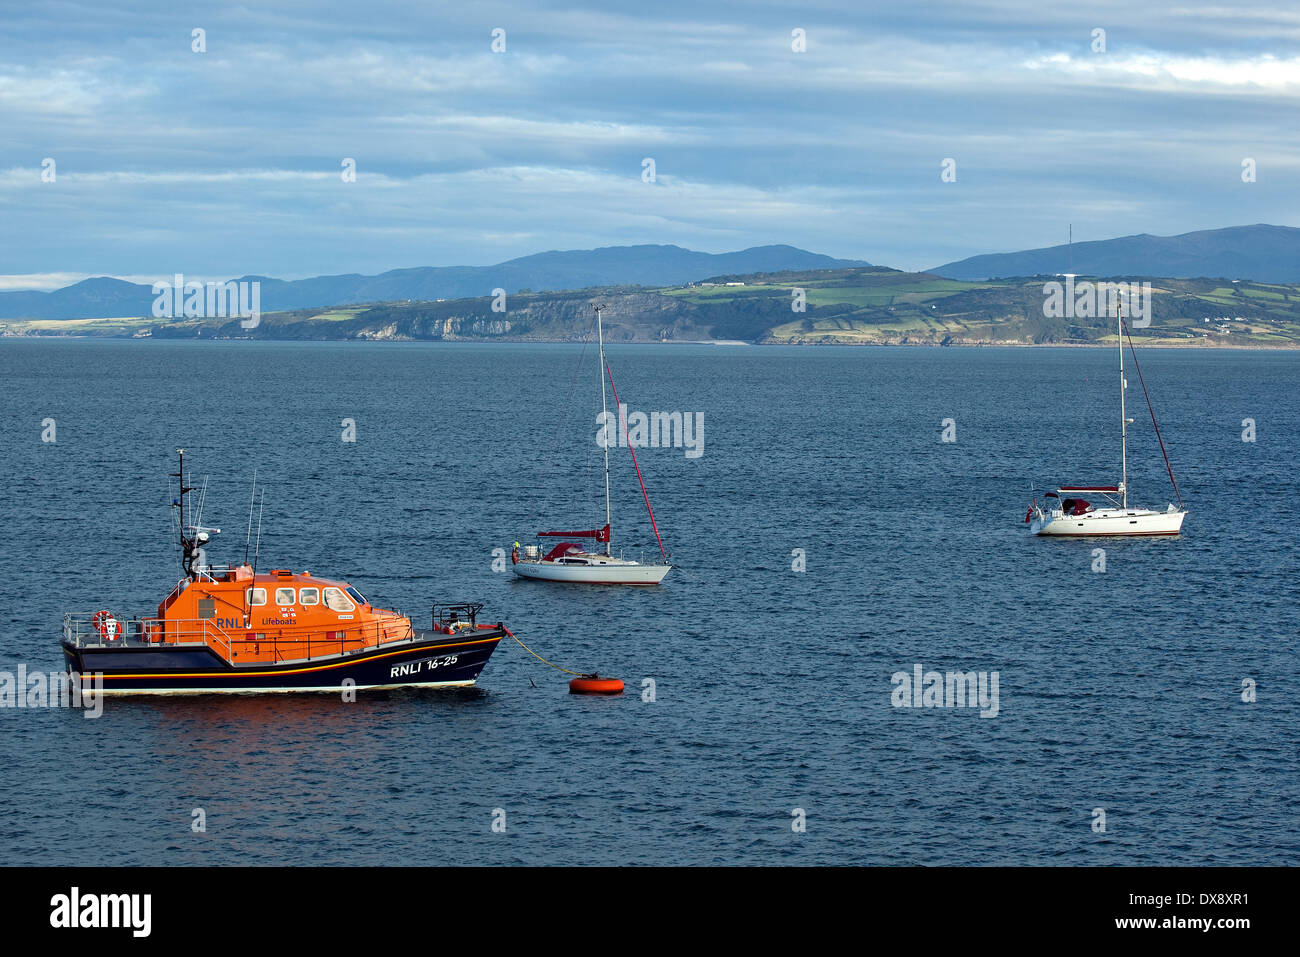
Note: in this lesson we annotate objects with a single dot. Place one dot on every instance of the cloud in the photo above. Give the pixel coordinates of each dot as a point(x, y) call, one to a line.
point(1189, 76)
point(228, 162)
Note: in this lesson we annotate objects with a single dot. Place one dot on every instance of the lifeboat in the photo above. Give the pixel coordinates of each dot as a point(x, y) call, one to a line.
point(234, 629)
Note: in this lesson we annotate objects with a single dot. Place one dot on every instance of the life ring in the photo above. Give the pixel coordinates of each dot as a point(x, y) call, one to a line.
point(594, 684)
point(109, 628)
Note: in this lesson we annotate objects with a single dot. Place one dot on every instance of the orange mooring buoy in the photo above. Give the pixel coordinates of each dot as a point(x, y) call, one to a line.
point(595, 684)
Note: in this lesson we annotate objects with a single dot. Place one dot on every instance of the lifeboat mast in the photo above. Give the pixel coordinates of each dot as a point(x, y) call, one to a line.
point(191, 545)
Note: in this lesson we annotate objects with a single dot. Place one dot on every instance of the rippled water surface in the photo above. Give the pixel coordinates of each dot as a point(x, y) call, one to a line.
point(1119, 690)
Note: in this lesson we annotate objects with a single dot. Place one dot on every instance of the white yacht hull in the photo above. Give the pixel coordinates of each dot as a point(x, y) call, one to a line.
point(598, 571)
point(1110, 522)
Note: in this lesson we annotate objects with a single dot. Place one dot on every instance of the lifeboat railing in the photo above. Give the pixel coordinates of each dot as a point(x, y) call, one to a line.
point(81, 630)
point(447, 614)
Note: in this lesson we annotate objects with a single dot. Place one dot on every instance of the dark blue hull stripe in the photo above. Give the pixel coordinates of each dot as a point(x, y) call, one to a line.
point(438, 661)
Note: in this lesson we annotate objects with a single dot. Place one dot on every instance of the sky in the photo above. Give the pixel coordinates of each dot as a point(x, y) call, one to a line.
point(231, 161)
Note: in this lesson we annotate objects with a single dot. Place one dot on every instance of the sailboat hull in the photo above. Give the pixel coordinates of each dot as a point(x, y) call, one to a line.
point(1111, 523)
point(603, 573)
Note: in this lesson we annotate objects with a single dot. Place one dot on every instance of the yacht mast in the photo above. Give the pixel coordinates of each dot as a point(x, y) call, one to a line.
point(1123, 416)
point(604, 417)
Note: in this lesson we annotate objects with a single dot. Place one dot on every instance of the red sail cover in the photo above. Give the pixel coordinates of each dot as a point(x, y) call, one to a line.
point(560, 550)
point(599, 534)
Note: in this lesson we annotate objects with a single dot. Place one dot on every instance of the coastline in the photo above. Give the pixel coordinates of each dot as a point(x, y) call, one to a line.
point(821, 343)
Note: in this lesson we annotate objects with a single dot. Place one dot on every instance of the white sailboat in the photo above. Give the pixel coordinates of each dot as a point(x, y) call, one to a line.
point(1075, 516)
point(571, 562)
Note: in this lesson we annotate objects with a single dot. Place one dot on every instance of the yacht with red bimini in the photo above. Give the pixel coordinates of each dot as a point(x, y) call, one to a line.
point(570, 562)
point(1075, 515)
point(235, 629)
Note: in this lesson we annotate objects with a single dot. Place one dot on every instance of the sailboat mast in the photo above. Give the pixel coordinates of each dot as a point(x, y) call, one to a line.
point(1123, 415)
point(604, 417)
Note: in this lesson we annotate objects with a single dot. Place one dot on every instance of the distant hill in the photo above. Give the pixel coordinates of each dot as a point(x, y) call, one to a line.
point(549, 271)
point(89, 298)
point(863, 305)
point(1261, 253)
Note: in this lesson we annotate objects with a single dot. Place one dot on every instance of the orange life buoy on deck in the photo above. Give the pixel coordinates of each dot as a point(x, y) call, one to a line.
point(109, 628)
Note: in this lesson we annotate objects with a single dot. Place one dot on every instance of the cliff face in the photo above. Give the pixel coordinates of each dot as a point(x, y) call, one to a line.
point(432, 327)
point(628, 316)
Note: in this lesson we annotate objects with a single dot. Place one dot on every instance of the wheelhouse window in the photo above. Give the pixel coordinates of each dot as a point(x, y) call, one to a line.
point(309, 596)
point(335, 600)
point(356, 595)
point(255, 596)
point(284, 596)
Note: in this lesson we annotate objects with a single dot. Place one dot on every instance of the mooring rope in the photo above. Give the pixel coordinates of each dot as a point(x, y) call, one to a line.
point(580, 674)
